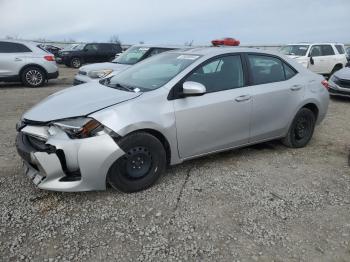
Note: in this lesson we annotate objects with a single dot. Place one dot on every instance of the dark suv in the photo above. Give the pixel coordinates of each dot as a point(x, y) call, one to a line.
point(88, 53)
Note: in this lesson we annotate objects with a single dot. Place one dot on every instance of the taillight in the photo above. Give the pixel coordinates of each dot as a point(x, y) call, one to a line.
point(49, 58)
point(325, 84)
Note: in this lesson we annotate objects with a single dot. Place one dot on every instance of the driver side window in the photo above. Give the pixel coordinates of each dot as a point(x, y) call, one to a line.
point(91, 47)
point(316, 51)
point(220, 74)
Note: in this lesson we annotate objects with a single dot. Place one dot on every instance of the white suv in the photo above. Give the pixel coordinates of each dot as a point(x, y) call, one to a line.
point(26, 62)
point(321, 58)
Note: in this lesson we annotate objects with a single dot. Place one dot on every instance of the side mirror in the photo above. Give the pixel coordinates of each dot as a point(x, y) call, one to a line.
point(191, 88)
point(312, 60)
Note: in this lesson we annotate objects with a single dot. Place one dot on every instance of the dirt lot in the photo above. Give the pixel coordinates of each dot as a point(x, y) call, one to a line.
point(259, 203)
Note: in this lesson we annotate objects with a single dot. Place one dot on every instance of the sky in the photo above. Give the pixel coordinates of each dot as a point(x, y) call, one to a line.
point(177, 21)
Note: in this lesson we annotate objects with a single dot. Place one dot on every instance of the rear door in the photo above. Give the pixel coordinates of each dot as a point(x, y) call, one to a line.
point(90, 53)
point(12, 58)
point(105, 52)
point(218, 119)
point(276, 90)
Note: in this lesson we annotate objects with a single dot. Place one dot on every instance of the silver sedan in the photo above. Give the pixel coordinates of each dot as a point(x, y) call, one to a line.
point(125, 130)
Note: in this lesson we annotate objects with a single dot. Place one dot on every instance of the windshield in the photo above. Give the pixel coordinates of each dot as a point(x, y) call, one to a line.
point(297, 50)
point(151, 73)
point(131, 56)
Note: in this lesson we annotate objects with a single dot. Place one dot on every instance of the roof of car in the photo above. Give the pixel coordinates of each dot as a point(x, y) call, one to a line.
point(323, 43)
point(223, 50)
point(162, 46)
point(28, 43)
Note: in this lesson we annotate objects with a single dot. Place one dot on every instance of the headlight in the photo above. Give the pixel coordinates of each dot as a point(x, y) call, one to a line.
point(334, 79)
point(100, 73)
point(65, 53)
point(80, 127)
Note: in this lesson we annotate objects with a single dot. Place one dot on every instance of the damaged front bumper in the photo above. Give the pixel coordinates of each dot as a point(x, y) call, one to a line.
point(57, 162)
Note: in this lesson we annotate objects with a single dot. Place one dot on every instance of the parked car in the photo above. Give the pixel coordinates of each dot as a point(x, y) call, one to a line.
point(347, 50)
point(50, 48)
point(135, 54)
point(226, 42)
point(339, 83)
point(172, 107)
point(88, 53)
point(321, 58)
point(22, 61)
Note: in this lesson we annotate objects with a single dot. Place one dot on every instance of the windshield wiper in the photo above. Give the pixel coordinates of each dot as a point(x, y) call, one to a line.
point(119, 86)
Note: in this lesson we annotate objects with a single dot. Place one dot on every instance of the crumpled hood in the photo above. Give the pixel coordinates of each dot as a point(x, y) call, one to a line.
point(343, 73)
point(102, 66)
point(76, 101)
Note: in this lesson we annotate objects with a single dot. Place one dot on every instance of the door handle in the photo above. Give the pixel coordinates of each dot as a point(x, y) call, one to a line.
point(296, 87)
point(18, 59)
point(242, 98)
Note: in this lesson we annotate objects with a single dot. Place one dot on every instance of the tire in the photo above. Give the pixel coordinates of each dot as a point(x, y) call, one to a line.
point(33, 77)
point(142, 165)
point(301, 129)
point(75, 62)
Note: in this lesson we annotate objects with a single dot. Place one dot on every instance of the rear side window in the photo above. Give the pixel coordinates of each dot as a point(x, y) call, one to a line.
point(268, 69)
point(327, 50)
point(321, 50)
point(340, 49)
point(7, 47)
point(288, 71)
point(220, 74)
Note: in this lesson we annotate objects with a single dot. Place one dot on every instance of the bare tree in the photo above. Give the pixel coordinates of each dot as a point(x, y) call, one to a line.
point(189, 43)
point(114, 39)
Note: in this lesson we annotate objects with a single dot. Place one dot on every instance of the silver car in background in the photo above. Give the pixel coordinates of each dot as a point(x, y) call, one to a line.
point(339, 83)
point(26, 62)
point(175, 106)
point(133, 55)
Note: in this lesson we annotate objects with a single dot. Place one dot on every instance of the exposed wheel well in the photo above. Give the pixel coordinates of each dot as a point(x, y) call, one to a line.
point(161, 138)
point(338, 66)
point(33, 65)
point(313, 108)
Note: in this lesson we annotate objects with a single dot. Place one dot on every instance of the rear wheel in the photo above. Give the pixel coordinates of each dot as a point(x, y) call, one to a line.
point(33, 77)
point(301, 130)
point(75, 62)
point(141, 166)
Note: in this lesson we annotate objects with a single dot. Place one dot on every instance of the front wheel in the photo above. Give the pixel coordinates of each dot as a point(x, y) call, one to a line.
point(301, 130)
point(33, 77)
point(75, 62)
point(141, 166)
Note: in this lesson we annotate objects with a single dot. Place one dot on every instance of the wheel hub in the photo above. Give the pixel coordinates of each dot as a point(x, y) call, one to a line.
point(138, 162)
point(301, 128)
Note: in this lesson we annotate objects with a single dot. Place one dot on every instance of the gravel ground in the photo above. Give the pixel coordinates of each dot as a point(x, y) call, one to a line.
point(260, 203)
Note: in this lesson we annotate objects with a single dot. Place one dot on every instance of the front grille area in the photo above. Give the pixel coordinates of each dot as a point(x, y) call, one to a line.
point(82, 73)
point(343, 83)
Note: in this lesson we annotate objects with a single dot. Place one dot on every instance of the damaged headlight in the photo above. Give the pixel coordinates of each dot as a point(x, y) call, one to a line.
point(99, 73)
point(81, 127)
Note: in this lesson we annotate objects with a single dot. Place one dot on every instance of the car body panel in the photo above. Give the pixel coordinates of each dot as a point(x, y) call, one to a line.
point(64, 104)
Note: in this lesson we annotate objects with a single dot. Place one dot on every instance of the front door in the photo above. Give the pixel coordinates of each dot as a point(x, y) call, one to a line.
point(220, 118)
